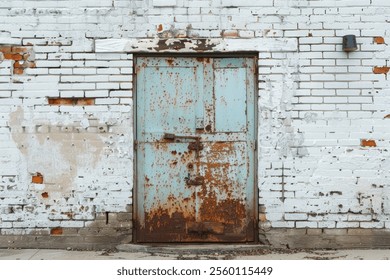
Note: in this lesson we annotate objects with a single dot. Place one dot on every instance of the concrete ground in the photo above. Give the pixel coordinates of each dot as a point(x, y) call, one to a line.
point(201, 252)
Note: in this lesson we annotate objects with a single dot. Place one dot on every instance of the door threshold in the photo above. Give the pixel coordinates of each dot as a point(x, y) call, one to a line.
point(175, 248)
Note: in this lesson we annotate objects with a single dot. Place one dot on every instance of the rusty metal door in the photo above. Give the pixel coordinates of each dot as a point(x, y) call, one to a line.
point(195, 141)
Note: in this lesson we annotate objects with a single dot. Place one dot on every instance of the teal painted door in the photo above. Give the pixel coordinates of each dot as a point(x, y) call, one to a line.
point(195, 149)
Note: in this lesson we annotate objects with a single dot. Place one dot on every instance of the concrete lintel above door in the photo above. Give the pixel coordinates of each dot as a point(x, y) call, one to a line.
point(200, 45)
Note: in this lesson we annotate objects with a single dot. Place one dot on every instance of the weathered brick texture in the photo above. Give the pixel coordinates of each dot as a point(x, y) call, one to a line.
point(66, 110)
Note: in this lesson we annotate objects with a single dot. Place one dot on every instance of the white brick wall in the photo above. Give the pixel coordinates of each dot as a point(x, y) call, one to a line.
point(316, 105)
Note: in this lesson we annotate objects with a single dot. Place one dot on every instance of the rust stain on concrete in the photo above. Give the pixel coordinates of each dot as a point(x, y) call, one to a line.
point(71, 101)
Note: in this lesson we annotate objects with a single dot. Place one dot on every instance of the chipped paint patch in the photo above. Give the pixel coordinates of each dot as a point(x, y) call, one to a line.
point(230, 33)
point(380, 70)
point(22, 57)
point(56, 231)
point(379, 40)
point(71, 101)
point(37, 179)
point(80, 165)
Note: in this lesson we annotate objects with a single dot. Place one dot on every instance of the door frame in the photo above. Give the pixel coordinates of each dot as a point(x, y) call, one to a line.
point(255, 56)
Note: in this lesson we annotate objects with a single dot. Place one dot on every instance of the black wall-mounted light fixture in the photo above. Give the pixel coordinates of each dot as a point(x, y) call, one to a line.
point(349, 43)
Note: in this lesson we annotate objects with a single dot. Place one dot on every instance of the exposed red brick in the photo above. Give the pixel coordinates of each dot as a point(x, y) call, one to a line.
point(45, 195)
point(69, 215)
point(381, 70)
point(85, 101)
point(17, 49)
point(368, 143)
point(72, 101)
point(56, 231)
point(18, 71)
point(13, 56)
point(379, 40)
point(37, 179)
point(230, 33)
point(159, 28)
point(17, 64)
point(5, 49)
point(18, 54)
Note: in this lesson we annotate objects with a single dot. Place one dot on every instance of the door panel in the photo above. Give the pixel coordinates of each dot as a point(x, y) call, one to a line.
point(172, 108)
point(195, 152)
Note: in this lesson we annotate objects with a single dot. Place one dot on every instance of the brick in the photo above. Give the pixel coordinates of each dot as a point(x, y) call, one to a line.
point(379, 40)
point(107, 101)
point(125, 217)
point(164, 3)
point(230, 33)
point(380, 70)
point(13, 56)
point(306, 224)
point(295, 216)
point(107, 86)
point(367, 143)
point(314, 231)
point(56, 231)
point(10, 41)
point(335, 231)
point(71, 101)
point(5, 48)
point(37, 179)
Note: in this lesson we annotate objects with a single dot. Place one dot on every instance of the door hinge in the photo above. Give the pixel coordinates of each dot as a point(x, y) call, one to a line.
point(135, 144)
